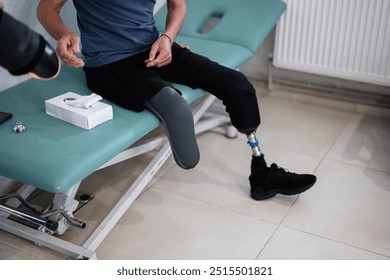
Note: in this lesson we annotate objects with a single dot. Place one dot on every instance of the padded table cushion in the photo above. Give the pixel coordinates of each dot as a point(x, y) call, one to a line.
point(243, 23)
point(218, 51)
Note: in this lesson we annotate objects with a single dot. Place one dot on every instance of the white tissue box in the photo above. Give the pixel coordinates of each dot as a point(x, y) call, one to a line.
point(88, 118)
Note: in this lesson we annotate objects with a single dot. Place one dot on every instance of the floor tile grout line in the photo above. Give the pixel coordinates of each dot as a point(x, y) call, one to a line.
point(325, 156)
point(215, 206)
point(229, 210)
point(278, 226)
point(332, 144)
point(336, 241)
point(359, 166)
point(266, 243)
point(315, 169)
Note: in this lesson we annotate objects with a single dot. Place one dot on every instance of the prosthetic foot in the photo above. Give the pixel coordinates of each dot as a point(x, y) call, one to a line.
point(266, 182)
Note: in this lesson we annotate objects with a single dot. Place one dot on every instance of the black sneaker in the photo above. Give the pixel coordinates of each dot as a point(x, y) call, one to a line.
point(266, 182)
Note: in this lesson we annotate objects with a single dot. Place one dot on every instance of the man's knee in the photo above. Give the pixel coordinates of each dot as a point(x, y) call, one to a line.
point(242, 84)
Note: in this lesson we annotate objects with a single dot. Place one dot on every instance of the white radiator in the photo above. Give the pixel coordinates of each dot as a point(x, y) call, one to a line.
point(347, 39)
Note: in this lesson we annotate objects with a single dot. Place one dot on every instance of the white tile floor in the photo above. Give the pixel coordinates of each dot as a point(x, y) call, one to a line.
point(207, 213)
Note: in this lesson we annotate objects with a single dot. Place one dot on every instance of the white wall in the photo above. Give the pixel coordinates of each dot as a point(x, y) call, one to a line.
point(159, 4)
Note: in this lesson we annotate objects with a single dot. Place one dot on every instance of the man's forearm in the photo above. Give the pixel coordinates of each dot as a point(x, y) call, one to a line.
point(175, 17)
point(68, 45)
point(48, 14)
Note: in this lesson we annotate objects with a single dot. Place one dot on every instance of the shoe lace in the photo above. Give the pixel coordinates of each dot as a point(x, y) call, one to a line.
point(275, 168)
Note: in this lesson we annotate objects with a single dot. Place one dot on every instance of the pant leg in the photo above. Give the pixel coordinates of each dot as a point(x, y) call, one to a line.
point(228, 85)
point(127, 82)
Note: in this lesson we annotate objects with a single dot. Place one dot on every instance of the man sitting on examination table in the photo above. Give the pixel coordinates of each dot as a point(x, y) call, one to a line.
point(127, 61)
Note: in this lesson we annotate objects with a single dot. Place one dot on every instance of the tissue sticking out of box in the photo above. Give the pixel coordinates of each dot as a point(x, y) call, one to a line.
point(83, 111)
point(84, 102)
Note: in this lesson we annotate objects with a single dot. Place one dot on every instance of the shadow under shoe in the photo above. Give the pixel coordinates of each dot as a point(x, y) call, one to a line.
point(266, 182)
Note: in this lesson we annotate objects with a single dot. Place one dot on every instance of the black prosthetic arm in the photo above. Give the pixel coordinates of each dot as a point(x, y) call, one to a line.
point(24, 51)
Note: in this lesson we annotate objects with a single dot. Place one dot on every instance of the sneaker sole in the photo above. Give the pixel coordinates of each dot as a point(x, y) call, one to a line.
point(274, 192)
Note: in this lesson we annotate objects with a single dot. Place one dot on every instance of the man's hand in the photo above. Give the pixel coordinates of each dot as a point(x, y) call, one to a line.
point(68, 42)
point(68, 47)
point(160, 53)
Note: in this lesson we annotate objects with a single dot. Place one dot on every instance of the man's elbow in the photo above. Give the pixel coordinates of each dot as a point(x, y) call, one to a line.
point(46, 8)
